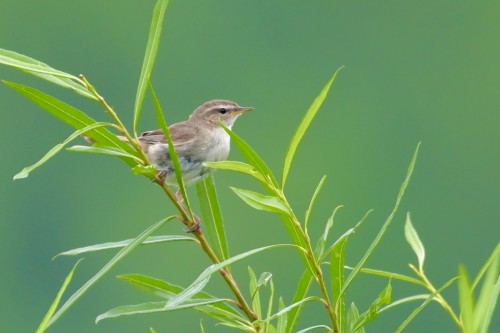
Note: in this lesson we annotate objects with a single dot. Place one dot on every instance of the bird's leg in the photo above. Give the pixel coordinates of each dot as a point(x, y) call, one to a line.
point(162, 175)
point(179, 198)
point(196, 227)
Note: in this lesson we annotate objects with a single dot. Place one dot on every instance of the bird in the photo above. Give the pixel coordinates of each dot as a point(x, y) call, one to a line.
point(197, 140)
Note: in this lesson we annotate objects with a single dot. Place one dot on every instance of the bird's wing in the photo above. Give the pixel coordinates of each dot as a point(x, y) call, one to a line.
point(183, 134)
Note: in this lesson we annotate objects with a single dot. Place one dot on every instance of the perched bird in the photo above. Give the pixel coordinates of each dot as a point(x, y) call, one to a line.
point(196, 140)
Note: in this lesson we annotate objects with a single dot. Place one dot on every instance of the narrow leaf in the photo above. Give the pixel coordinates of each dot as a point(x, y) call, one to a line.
point(338, 280)
point(171, 149)
point(328, 329)
point(107, 267)
point(313, 201)
point(415, 242)
point(282, 319)
point(123, 243)
point(152, 307)
point(384, 298)
point(301, 293)
point(405, 300)
point(488, 297)
point(386, 224)
point(304, 125)
point(390, 275)
point(352, 318)
point(238, 167)
point(57, 148)
point(212, 216)
point(466, 300)
point(292, 306)
point(344, 235)
point(73, 117)
point(253, 158)
point(167, 290)
point(44, 71)
point(203, 278)
point(320, 245)
point(267, 277)
point(495, 255)
point(423, 305)
point(254, 291)
point(149, 58)
point(262, 202)
point(53, 307)
point(103, 150)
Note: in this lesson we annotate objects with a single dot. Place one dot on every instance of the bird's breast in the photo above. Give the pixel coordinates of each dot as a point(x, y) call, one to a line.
point(218, 146)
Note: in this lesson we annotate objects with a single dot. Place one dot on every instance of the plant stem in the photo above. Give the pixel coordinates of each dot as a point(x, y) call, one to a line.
point(186, 218)
point(112, 113)
point(312, 263)
point(438, 296)
point(242, 304)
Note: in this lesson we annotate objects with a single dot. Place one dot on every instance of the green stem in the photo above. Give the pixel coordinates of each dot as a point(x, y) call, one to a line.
point(313, 265)
point(438, 296)
point(112, 113)
point(198, 233)
point(185, 217)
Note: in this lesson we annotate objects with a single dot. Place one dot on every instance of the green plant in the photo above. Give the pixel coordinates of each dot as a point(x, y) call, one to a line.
point(245, 311)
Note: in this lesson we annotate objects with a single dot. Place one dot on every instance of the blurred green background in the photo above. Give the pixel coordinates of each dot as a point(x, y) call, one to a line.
point(415, 71)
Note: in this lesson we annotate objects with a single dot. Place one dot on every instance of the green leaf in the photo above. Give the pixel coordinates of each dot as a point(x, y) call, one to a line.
point(167, 290)
point(292, 306)
point(53, 307)
point(320, 245)
point(328, 329)
point(212, 216)
point(145, 170)
point(423, 305)
point(238, 167)
point(103, 150)
point(352, 318)
point(495, 255)
point(262, 202)
point(384, 298)
point(488, 296)
point(301, 293)
point(149, 58)
point(386, 224)
point(107, 267)
point(123, 243)
point(254, 291)
point(203, 278)
point(313, 201)
point(390, 275)
point(73, 117)
point(415, 243)
point(152, 307)
point(253, 158)
point(282, 319)
point(44, 71)
point(57, 148)
point(304, 125)
point(344, 235)
point(406, 300)
point(466, 300)
point(267, 277)
point(171, 149)
point(338, 280)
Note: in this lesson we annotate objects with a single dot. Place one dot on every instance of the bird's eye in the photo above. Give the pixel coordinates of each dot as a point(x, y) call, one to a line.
point(223, 110)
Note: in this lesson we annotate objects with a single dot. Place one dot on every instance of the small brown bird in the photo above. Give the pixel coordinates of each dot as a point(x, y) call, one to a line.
point(197, 140)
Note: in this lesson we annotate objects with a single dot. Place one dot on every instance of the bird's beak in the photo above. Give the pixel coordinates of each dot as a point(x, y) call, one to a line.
point(242, 109)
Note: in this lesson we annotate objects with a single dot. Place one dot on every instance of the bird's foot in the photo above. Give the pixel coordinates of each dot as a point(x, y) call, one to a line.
point(196, 227)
